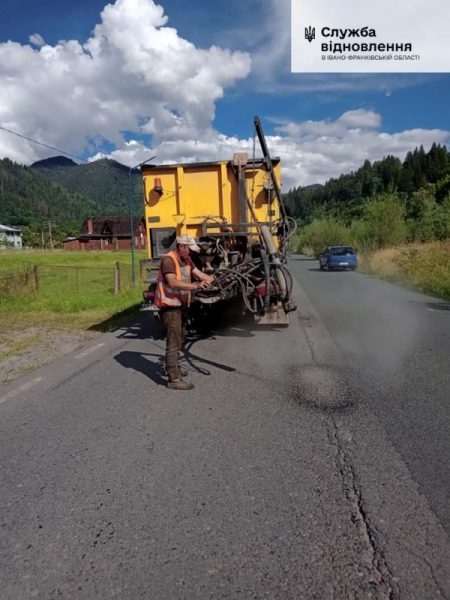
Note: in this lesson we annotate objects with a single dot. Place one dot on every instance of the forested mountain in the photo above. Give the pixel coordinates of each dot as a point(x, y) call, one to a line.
point(53, 163)
point(345, 196)
point(65, 193)
point(27, 196)
point(104, 181)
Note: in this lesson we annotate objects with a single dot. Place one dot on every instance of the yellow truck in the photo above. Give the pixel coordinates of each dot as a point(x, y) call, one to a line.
point(235, 210)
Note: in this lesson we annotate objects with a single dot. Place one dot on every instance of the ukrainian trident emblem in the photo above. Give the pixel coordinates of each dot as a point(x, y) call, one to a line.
point(310, 33)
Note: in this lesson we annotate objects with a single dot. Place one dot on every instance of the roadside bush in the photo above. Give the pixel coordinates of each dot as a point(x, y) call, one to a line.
point(360, 235)
point(442, 220)
point(313, 238)
point(384, 220)
point(430, 219)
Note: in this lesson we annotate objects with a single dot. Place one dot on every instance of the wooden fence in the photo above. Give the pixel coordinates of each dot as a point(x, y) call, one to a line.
point(70, 278)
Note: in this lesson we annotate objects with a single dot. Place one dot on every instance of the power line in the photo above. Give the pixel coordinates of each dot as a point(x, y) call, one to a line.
point(42, 144)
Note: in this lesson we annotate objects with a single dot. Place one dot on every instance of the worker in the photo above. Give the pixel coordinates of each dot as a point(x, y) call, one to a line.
point(173, 297)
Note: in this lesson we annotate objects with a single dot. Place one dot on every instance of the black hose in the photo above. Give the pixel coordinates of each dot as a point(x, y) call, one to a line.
point(288, 278)
point(265, 261)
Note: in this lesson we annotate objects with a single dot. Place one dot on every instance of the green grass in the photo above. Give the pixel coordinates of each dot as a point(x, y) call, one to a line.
point(76, 289)
point(11, 259)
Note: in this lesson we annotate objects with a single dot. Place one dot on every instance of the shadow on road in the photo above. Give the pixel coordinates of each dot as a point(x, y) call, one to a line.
point(143, 326)
point(151, 368)
point(334, 270)
point(226, 320)
point(116, 321)
point(301, 258)
point(151, 364)
point(436, 305)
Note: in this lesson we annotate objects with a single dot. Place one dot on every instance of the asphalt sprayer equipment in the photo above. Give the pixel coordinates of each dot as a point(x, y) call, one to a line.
point(235, 210)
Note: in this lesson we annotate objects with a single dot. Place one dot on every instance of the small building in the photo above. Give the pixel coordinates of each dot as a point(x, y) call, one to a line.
point(109, 233)
point(10, 237)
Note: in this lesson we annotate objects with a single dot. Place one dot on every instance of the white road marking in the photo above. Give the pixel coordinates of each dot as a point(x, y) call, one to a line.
point(22, 388)
point(90, 350)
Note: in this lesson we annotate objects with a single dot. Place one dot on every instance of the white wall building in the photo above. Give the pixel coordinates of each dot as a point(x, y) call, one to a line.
point(10, 237)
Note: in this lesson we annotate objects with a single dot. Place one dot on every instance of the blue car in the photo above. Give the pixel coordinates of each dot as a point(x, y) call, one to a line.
point(338, 257)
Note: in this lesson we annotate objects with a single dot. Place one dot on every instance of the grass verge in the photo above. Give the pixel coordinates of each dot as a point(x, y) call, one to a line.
point(76, 289)
point(75, 300)
point(425, 267)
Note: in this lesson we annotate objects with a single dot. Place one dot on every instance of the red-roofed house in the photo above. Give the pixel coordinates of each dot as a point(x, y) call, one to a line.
point(109, 233)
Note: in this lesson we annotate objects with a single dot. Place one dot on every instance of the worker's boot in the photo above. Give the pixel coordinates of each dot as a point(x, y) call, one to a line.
point(175, 382)
point(180, 384)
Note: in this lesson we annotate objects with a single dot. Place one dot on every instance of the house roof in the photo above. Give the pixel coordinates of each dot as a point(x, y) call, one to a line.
point(115, 226)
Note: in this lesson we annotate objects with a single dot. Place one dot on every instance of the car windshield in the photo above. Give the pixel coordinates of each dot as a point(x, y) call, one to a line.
point(341, 251)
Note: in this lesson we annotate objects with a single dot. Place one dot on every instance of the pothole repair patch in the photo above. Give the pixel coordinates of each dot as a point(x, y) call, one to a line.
point(322, 388)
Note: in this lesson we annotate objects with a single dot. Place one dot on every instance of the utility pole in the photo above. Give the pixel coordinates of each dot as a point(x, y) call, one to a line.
point(50, 234)
point(48, 224)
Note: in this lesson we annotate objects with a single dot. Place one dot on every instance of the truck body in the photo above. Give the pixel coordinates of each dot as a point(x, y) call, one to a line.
point(234, 209)
point(200, 199)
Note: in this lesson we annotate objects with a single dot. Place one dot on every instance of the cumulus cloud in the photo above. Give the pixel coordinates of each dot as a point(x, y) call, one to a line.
point(37, 39)
point(134, 74)
point(318, 150)
point(311, 151)
point(354, 119)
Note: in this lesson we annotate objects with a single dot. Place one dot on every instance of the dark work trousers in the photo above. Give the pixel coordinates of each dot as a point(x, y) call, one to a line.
point(173, 320)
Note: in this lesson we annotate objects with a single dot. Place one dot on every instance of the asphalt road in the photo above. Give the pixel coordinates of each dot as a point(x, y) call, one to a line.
point(308, 462)
point(397, 344)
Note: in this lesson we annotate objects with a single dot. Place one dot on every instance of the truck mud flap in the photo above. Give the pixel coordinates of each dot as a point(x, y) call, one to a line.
point(273, 317)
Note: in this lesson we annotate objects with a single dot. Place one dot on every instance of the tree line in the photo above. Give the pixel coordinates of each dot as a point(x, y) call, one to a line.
point(381, 204)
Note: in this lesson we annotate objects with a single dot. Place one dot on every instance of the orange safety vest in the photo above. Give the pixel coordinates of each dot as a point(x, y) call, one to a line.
point(165, 296)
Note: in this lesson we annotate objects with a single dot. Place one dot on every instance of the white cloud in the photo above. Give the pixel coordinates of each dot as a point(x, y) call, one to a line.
point(311, 151)
point(134, 74)
point(360, 118)
point(37, 39)
point(314, 151)
point(271, 56)
point(312, 130)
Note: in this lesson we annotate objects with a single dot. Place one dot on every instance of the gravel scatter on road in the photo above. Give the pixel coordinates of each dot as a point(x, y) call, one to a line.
point(24, 349)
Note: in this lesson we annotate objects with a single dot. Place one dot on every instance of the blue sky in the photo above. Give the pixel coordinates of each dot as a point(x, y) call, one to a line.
point(183, 79)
